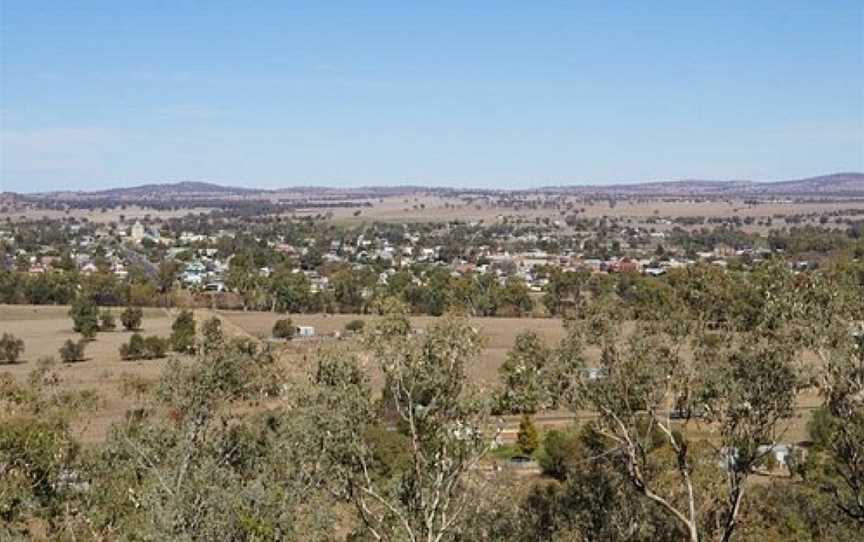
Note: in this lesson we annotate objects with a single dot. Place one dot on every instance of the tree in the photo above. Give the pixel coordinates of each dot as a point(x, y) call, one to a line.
point(283, 329)
point(131, 318)
point(290, 291)
point(523, 376)
point(527, 439)
point(426, 383)
point(183, 333)
point(515, 297)
point(243, 278)
point(213, 336)
point(192, 475)
point(72, 351)
point(650, 392)
point(107, 321)
point(85, 316)
point(842, 385)
point(11, 348)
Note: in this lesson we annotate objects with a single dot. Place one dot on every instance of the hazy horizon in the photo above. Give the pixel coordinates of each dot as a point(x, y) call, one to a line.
point(486, 95)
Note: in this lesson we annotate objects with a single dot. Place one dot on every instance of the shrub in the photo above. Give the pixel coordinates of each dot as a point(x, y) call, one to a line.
point(244, 345)
point(527, 439)
point(155, 347)
point(72, 350)
point(134, 349)
point(131, 318)
point(183, 332)
point(212, 332)
point(283, 329)
point(107, 321)
point(11, 348)
point(85, 317)
point(355, 326)
point(560, 448)
point(139, 347)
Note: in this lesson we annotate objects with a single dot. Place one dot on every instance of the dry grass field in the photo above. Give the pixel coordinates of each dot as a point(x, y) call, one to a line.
point(130, 214)
point(45, 328)
point(441, 209)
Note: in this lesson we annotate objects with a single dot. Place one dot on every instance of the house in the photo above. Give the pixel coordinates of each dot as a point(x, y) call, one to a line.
point(137, 233)
point(305, 331)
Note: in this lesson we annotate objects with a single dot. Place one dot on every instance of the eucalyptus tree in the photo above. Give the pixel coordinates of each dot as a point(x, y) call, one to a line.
point(444, 423)
point(684, 369)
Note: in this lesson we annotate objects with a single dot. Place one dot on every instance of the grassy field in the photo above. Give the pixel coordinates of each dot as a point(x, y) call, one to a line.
point(45, 328)
point(440, 209)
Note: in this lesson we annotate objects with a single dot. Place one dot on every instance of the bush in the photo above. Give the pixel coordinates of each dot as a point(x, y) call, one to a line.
point(85, 317)
point(283, 329)
point(138, 347)
point(560, 448)
point(107, 321)
point(11, 348)
point(212, 332)
point(131, 318)
point(72, 350)
point(355, 326)
point(134, 349)
point(155, 347)
point(183, 333)
point(527, 439)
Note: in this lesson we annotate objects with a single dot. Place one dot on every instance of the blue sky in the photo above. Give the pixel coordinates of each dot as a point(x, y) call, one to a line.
point(468, 93)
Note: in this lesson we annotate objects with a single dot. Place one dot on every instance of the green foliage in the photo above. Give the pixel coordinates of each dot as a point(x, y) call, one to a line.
point(528, 439)
point(33, 454)
point(284, 329)
point(72, 351)
point(291, 292)
point(85, 316)
point(560, 450)
point(183, 333)
point(212, 334)
point(524, 375)
point(131, 318)
point(138, 347)
point(355, 326)
point(11, 348)
point(107, 322)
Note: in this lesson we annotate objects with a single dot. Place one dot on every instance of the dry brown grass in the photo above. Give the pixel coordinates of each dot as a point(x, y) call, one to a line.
point(45, 328)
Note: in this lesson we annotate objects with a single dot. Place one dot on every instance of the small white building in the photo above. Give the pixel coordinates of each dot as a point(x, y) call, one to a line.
point(305, 331)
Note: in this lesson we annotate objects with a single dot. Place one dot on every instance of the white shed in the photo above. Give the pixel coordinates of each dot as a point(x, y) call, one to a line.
point(305, 331)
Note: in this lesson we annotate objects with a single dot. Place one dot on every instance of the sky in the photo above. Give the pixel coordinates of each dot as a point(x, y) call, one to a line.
point(500, 94)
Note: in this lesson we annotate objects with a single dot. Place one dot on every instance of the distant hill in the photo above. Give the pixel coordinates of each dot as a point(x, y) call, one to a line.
point(160, 191)
point(837, 185)
point(169, 190)
point(834, 185)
